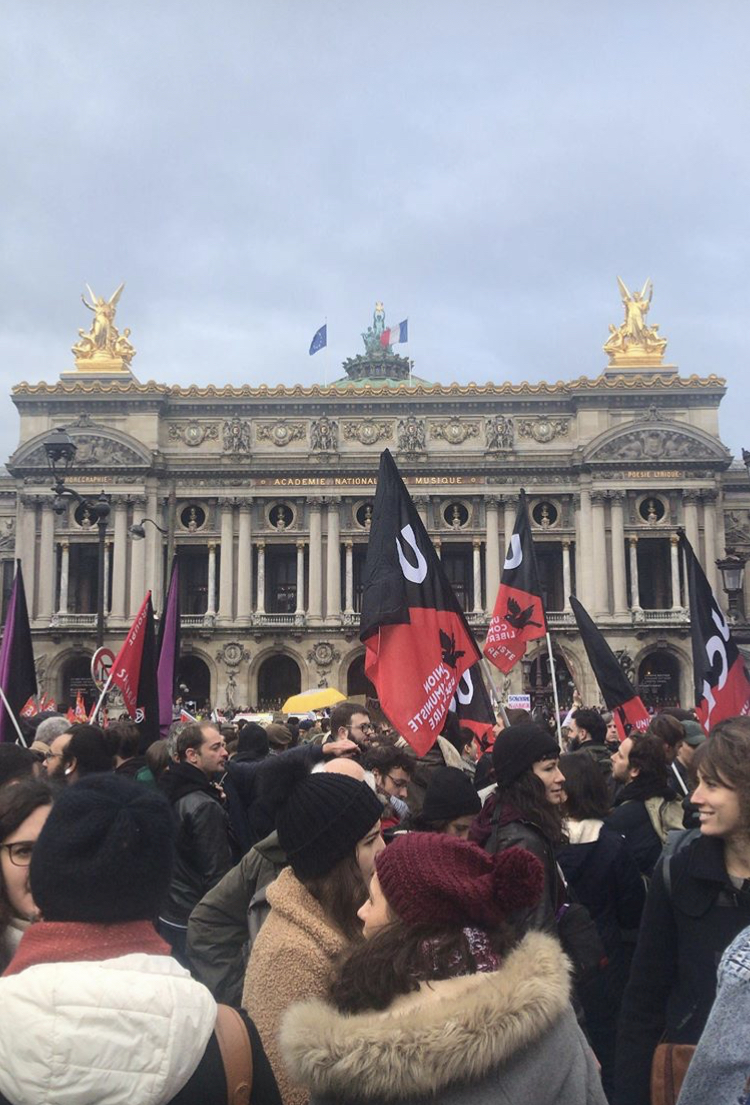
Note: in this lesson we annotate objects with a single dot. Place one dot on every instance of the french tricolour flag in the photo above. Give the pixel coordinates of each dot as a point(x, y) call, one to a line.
point(396, 334)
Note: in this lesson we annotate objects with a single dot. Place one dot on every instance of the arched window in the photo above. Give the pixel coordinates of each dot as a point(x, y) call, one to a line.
point(278, 678)
point(194, 681)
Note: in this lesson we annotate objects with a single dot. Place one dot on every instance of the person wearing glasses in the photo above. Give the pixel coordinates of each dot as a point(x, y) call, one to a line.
point(24, 807)
point(350, 721)
point(392, 768)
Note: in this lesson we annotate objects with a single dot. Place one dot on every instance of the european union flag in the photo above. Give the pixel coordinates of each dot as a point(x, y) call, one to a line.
point(320, 340)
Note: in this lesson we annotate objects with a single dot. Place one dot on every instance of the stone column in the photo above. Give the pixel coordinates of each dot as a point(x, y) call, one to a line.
point(300, 608)
point(333, 562)
point(245, 564)
point(509, 520)
point(47, 564)
point(137, 562)
point(315, 585)
point(120, 552)
point(422, 502)
point(566, 574)
point(26, 547)
point(709, 537)
point(349, 577)
point(438, 546)
point(261, 602)
point(690, 506)
point(619, 574)
point(599, 553)
point(107, 562)
point(226, 563)
point(477, 557)
point(492, 552)
point(674, 557)
point(211, 599)
point(635, 591)
point(583, 549)
point(64, 576)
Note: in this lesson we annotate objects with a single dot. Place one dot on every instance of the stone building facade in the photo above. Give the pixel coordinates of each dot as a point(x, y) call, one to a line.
point(266, 493)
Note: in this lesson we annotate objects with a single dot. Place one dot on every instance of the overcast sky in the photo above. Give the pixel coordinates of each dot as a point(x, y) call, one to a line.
point(252, 168)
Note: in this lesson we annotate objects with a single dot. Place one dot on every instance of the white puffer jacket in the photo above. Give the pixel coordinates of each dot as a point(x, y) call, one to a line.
point(127, 1031)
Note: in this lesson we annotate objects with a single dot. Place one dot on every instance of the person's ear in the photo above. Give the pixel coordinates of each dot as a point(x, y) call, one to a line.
point(70, 768)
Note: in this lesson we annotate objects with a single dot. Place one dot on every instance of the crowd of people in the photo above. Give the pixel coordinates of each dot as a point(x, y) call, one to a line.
point(306, 912)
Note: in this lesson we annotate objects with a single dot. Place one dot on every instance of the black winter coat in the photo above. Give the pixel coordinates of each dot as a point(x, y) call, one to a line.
point(203, 854)
point(509, 829)
point(673, 978)
point(605, 878)
point(630, 819)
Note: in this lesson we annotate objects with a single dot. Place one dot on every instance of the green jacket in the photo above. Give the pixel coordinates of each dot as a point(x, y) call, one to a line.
point(228, 917)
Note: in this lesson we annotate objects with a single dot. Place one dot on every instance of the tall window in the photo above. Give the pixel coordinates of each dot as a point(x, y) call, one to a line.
point(281, 579)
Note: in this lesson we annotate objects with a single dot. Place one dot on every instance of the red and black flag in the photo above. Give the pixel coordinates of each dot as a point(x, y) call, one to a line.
point(417, 639)
point(617, 691)
point(722, 688)
point(518, 616)
point(134, 672)
point(473, 707)
point(17, 672)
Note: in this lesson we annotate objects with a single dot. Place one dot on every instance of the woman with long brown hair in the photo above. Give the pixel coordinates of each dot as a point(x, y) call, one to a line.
point(443, 1003)
point(329, 827)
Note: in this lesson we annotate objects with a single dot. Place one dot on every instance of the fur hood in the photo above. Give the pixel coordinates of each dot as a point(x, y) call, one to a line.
point(447, 1031)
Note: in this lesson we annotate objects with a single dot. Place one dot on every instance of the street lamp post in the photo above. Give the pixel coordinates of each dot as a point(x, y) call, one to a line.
point(732, 568)
point(61, 450)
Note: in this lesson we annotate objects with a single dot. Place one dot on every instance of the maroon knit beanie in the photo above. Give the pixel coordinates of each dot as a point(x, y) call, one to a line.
point(432, 877)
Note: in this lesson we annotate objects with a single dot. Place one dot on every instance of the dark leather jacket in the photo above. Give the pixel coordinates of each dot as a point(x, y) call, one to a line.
point(203, 853)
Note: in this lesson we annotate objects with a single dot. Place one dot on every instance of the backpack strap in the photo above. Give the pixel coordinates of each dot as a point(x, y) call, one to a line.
point(676, 841)
point(236, 1054)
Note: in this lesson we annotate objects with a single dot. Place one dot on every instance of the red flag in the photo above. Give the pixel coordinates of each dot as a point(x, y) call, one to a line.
point(126, 670)
point(81, 713)
point(30, 709)
point(417, 638)
point(473, 707)
point(518, 616)
point(70, 715)
point(722, 687)
point(617, 690)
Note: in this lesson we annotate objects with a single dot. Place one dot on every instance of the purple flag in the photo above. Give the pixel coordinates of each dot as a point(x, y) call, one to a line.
point(169, 648)
point(17, 673)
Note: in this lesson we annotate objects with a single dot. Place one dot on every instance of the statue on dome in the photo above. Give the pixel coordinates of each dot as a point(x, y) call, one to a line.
point(103, 342)
point(635, 339)
point(371, 336)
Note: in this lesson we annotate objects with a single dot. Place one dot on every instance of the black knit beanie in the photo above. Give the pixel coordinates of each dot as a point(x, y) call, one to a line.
point(253, 740)
point(320, 818)
point(450, 793)
point(518, 747)
point(105, 853)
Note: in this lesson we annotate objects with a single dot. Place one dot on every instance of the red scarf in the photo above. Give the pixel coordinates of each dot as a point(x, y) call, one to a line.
point(76, 942)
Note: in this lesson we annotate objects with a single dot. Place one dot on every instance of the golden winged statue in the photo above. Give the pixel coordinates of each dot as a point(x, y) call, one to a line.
point(634, 339)
point(103, 342)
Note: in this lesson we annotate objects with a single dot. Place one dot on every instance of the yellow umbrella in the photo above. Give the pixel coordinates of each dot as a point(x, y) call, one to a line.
point(316, 699)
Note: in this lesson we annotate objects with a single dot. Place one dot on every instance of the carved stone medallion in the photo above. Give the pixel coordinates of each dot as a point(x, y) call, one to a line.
point(280, 433)
point(232, 654)
point(454, 431)
point(367, 432)
point(236, 434)
point(543, 429)
point(193, 433)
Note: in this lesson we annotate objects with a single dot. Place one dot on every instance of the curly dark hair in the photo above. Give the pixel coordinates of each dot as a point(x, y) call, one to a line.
point(648, 755)
point(669, 729)
point(385, 758)
point(399, 957)
point(527, 795)
point(18, 802)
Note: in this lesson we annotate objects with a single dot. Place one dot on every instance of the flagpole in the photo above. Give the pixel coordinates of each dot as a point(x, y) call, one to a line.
point(554, 691)
point(325, 361)
point(488, 669)
point(12, 717)
point(97, 708)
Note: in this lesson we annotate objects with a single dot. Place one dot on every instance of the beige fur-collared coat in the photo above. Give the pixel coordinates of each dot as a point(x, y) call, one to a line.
point(291, 961)
point(504, 1038)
